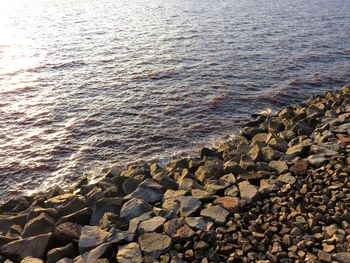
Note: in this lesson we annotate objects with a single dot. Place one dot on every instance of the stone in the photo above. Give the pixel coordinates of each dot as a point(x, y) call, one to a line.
point(189, 184)
point(151, 225)
point(199, 223)
point(148, 190)
point(41, 224)
point(286, 178)
point(188, 205)
point(317, 160)
point(260, 137)
point(82, 217)
point(215, 213)
point(130, 185)
point(172, 225)
point(231, 191)
point(246, 163)
point(58, 253)
point(229, 178)
point(27, 247)
point(248, 192)
point(129, 253)
point(61, 200)
point(91, 237)
point(268, 185)
point(342, 257)
point(154, 244)
point(269, 154)
point(300, 150)
point(71, 206)
point(184, 232)
point(6, 239)
point(51, 212)
point(214, 186)
point(299, 167)
point(280, 166)
point(6, 221)
point(165, 181)
point(278, 144)
point(331, 230)
point(324, 256)
point(67, 232)
point(211, 169)
point(32, 260)
point(255, 153)
point(201, 195)
point(95, 254)
point(230, 203)
point(105, 205)
point(134, 208)
point(65, 260)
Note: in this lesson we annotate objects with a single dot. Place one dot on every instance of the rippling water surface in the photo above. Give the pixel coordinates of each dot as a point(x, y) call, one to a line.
point(87, 84)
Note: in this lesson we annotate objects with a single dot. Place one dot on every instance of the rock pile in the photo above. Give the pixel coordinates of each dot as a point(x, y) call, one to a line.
point(279, 192)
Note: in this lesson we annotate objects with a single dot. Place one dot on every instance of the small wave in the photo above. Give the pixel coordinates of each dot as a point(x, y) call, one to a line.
point(70, 64)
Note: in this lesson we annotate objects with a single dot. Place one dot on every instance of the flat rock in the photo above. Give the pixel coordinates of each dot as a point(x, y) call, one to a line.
point(214, 186)
point(188, 205)
point(184, 232)
point(58, 253)
point(95, 255)
point(129, 253)
point(280, 166)
point(154, 244)
point(286, 178)
point(82, 217)
point(51, 212)
point(201, 195)
point(6, 221)
point(67, 232)
point(105, 205)
point(134, 208)
point(268, 185)
point(189, 184)
point(172, 225)
point(299, 167)
point(212, 169)
point(199, 223)
point(230, 203)
point(41, 224)
point(149, 191)
point(91, 237)
point(317, 160)
point(215, 213)
point(248, 192)
point(278, 144)
point(300, 150)
point(27, 247)
point(151, 225)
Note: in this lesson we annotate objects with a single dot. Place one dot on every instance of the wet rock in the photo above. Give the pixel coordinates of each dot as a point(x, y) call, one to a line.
point(215, 213)
point(148, 190)
point(56, 254)
point(61, 200)
point(248, 192)
point(67, 232)
point(151, 225)
point(41, 224)
point(212, 169)
point(154, 244)
point(91, 237)
point(250, 132)
point(212, 153)
point(27, 247)
point(165, 181)
point(230, 203)
point(199, 223)
point(105, 205)
point(280, 166)
point(134, 208)
point(129, 253)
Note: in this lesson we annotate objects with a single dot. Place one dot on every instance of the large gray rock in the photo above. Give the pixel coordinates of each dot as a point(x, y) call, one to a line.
point(129, 253)
point(91, 237)
point(134, 208)
point(148, 190)
point(215, 213)
point(41, 224)
point(212, 169)
point(248, 192)
point(154, 244)
point(28, 247)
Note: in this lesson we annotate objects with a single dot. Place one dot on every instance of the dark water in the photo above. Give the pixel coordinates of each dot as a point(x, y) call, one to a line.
point(87, 84)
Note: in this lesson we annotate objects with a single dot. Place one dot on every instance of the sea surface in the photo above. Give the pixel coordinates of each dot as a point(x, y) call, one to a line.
point(90, 84)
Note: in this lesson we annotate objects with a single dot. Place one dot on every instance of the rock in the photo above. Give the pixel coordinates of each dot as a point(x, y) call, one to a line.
point(130, 185)
point(232, 167)
point(172, 225)
point(214, 186)
point(6, 221)
point(51, 212)
point(260, 137)
point(250, 132)
point(201, 195)
point(56, 254)
point(134, 208)
point(280, 166)
point(91, 237)
point(342, 257)
point(135, 222)
point(184, 232)
point(81, 217)
point(27, 247)
point(231, 191)
point(61, 200)
point(300, 150)
point(286, 178)
point(248, 192)
point(154, 244)
point(65, 260)
point(67, 232)
point(41, 224)
point(230, 203)
point(71, 206)
point(324, 256)
point(174, 194)
point(299, 167)
point(151, 225)
point(255, 153)
point(246, 163)
point(188, 205)
point(6, 239)
point(212, 169)
point(148, 190)
point(199, 223)
point(31, 260)
point(215, 213)
point(269, 154)
point(129, 253)
point(317, 160)
point(189, 184)
point(105, 205)
point(95, 255)
point(268, 185)
point(229, 178)
point(278, 143)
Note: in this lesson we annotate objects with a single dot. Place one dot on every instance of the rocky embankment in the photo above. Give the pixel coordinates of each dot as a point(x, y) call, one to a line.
point(279, 192)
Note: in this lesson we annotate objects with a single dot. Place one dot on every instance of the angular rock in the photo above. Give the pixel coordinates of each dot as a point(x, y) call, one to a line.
point(95, 255)
point(67, 232)
point(31, 260)
point(280, 166)
point(151, 225)
point(199, 223)
point(27, 247)
point(317, 160)
point(188, 205)
point(286, 178)
point(215, 213)
point(201, 195)
point(91, 237)
point(154, 244)
point(184, 232)
point(214, 186)
point(134, 208)
point(81, 217)
point(149, 191)
point(269, 154)
point(248, 192)
point(51, 212)
point(6, 221)
point(246, 163)
point(212, 169)
point(300, 150)
point(230, 203)
point(105, 205)
point(130, 185)
point(231, 191)
point(278, 143)
point(342, 257)
point(268, 185)
point(129, 253)
point(299, 167)
point(41, 224)
point(57, 254)
point(189, 184)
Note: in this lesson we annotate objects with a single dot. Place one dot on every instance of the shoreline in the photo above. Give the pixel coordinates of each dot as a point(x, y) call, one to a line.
point(278, 192)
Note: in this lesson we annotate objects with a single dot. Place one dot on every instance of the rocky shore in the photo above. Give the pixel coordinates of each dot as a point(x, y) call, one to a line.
point(278, 192)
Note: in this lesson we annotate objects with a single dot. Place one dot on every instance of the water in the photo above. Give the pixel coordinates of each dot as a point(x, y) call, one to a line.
point(88, 84)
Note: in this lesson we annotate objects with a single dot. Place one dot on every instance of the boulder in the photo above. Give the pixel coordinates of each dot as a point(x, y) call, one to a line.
point(135, 222)
point(189, 184)
point(58, 253)
point(215, 213)
point(105, 205)
point(130, 185)
point(342, 257)
point(95, 255)
point(68, 232)
point(214, 186)
point(82, 217)
point(51, 212)
point(299, 167)
point(129, 253)
point(154, 244)
point(6, 221)
point(151, 225)
point(246, 163)
point(201, 195)
point(212, 169)
point(269, 154)
point(188, 205)
point(230, 203)
point(278, 144)
point(248, 192)
point(27, 247)
point(199, 223)
point(91, 237)
point(134, 208)
point(148, 190)
point(41, 224)
point(280, 166)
